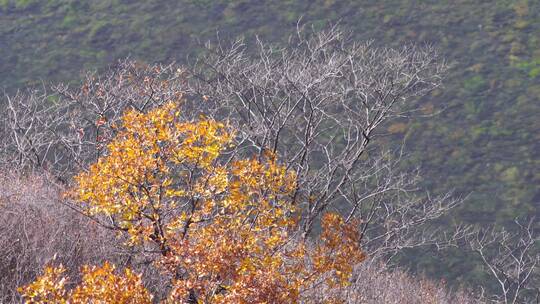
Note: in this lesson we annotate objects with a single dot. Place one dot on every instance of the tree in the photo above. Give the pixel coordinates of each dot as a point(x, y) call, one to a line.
point(224, 229)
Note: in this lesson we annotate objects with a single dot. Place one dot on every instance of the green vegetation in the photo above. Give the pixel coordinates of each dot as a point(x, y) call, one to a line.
point(485, 143)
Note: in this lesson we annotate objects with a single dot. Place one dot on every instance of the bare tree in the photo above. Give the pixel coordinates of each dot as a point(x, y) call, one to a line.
point(61, 129)
point(512, 259)
point(319, 103)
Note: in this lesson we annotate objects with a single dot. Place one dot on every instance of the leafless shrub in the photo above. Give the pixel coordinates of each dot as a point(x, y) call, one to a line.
point(61, 129)
point(513, 260)
point(375, 283)
point(36, 230)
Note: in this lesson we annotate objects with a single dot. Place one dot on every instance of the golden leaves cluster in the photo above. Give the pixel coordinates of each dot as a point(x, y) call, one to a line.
point(98, 285)
point(226, 226)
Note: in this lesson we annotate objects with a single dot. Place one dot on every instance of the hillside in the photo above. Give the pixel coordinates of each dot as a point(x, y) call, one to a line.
point(485, 143)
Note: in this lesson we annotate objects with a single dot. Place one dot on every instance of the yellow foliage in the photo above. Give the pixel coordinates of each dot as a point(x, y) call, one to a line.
point(48, 288)
point(99, 285)
point(226, 226)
